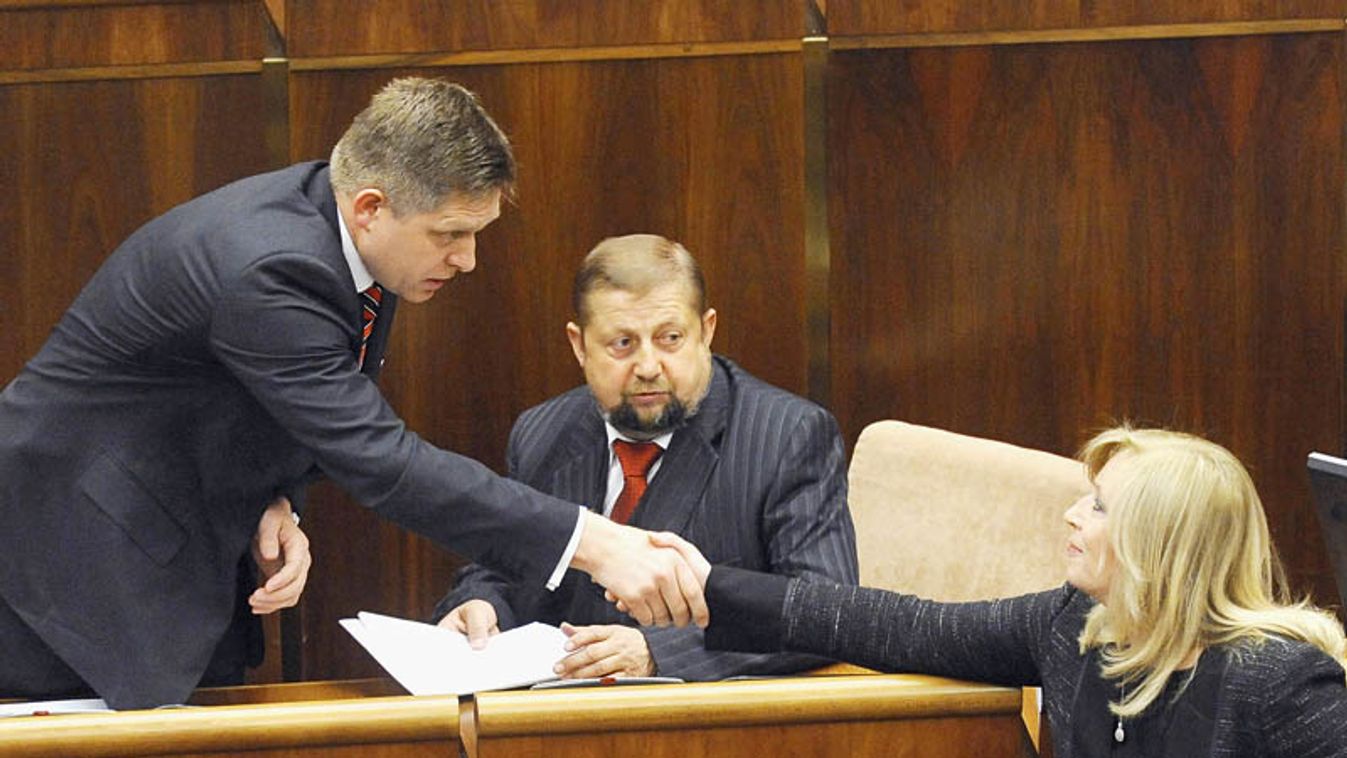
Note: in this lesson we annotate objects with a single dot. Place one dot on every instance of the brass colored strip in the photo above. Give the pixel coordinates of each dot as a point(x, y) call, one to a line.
point(276, 135)
point(1342, 335)
point(1100, 34)
point(152, 71)
point(817, 254)
point(276, 114)
point(547, 55)
point(43, 4)
point(275, 13)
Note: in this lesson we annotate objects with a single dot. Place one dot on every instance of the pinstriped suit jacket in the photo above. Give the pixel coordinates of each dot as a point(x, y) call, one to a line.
point(756, 479)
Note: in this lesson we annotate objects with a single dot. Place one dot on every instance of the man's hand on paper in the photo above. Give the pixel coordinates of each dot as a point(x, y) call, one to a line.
point(608, 650)
point(475, 618)
point(281, 552)
point(655, 585)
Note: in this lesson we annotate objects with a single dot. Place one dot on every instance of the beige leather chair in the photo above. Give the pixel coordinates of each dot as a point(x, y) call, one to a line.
point(951, 517)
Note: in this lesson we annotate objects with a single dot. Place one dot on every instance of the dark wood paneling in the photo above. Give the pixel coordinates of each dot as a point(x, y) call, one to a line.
point(704, 150)
point(856, 17)
point(90, 162)
point(339, 27)
point(1030, 241)
point(116, 35)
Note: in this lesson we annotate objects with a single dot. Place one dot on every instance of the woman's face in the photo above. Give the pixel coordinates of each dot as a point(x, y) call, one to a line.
point(1089, 556)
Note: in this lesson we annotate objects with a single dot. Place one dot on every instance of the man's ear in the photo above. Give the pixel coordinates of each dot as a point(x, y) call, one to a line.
point(366, 205)
point(708, 326)
point(577, 337)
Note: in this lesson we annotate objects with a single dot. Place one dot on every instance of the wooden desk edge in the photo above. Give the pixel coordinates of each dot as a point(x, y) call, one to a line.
point(758, 702)
point(222, 728)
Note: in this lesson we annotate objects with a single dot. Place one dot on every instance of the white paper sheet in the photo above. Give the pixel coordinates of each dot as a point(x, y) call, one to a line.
point(430, 660)
point(53, 707)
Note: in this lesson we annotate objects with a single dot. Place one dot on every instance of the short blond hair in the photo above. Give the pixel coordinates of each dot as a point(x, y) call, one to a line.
point(419, 141)
point(1195, 563)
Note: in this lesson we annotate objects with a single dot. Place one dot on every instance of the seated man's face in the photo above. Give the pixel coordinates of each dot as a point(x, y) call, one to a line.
point(647, 358)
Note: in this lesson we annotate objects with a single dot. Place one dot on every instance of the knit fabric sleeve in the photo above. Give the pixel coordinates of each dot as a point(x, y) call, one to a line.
point(1000, 641)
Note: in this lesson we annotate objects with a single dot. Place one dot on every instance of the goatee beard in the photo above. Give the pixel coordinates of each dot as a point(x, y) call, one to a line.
point(625, 419)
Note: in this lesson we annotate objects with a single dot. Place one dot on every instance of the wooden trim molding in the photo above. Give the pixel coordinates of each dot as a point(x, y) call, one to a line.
point(268, 725)
point(1100, 34)
point(548, 55)
point(153, 71)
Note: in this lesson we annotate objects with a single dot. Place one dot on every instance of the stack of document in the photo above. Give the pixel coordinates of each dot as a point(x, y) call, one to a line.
point(431, 660)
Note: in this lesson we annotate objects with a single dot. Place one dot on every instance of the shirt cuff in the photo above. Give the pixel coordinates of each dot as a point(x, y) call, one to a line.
point(554, 580)
point(747, 610)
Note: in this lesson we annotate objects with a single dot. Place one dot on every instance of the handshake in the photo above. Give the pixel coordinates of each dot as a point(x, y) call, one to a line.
point(655, 577)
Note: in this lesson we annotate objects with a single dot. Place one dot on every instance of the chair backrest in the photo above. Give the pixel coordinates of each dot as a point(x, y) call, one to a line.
point(951, 517)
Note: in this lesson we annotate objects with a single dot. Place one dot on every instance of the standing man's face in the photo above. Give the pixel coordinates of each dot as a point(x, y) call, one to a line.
point(414, 255)
point(646, 358)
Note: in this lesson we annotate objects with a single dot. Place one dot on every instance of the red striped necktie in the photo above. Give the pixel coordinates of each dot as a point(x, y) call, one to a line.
point(370, 300)
point(636, 459)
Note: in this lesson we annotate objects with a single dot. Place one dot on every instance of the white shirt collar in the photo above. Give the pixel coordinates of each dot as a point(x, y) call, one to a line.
point(614, 434)
point(363, 278)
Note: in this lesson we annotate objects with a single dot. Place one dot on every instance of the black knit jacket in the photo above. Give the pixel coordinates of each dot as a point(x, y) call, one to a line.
point(1277, 698)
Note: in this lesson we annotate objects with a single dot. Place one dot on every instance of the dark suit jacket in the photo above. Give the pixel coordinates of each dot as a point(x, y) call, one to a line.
point(756, 479)
point(207, 367)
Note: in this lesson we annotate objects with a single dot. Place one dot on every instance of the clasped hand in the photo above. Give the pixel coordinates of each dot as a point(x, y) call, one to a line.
point(656, 578)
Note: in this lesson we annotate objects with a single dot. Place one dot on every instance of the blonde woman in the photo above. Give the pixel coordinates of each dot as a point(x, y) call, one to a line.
point(1172, 637)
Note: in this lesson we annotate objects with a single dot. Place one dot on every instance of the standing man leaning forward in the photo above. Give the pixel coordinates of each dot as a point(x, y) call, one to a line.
point(223, 356)
point(753, 475)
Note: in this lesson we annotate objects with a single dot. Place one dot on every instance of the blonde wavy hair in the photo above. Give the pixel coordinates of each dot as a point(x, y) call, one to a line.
point(1194, 563)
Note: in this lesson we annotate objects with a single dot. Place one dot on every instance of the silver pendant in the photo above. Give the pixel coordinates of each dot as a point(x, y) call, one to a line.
point(1118, 734)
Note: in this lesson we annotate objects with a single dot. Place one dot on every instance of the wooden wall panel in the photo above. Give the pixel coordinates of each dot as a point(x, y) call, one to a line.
point(90, 162)
point(98, 34)
point(859, 17)
point(338, 27)
point(1030, 241)
point(704, 150)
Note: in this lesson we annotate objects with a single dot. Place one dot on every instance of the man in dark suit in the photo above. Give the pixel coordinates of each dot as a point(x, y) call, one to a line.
point(222, 356)
point(751, 474)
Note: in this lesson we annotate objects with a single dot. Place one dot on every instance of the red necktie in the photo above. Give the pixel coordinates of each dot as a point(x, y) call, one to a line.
point(370, 299)
point(636, 459)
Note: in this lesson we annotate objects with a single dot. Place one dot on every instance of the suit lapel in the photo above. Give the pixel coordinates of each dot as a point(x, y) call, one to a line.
point(674, 496)
point(581, 473)
point(319, 192)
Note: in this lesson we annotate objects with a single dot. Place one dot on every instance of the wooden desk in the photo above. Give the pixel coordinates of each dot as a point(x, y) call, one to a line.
point(339, 719)
point(892, 715)
point(865, 715)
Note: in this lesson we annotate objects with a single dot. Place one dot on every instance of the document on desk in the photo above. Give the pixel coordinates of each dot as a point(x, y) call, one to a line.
point(431, 660)
point(52, 707)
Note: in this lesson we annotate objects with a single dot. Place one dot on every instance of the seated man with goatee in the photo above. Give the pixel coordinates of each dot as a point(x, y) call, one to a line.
point(667, 437)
